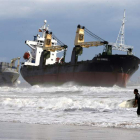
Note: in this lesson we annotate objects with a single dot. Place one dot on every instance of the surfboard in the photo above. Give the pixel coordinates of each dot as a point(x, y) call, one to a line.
point(127, 104)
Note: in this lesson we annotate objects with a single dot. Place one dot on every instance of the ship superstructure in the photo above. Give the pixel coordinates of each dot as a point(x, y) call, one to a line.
point(105, 69)
point(37, 46)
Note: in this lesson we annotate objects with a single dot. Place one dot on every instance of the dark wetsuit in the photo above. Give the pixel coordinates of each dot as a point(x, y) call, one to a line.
point(137, 97)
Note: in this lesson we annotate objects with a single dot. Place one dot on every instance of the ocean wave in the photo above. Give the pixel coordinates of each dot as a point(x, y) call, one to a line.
point(68, 104)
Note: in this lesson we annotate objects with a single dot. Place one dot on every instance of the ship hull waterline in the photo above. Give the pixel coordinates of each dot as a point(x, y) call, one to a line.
point(82, 78)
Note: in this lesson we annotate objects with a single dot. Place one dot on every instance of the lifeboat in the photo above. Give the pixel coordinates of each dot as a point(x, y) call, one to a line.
point(26, 56)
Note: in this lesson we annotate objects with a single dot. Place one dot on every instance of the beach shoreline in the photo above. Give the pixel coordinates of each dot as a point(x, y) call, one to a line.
point(23, 131)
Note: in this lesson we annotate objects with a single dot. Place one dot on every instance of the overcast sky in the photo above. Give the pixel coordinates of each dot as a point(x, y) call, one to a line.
point(21, 19)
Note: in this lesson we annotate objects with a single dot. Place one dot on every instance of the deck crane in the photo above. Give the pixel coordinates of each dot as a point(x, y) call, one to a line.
point(80, 43)
point(48, 47)
point(79, 39)
point(12, 64)
point(48, 43)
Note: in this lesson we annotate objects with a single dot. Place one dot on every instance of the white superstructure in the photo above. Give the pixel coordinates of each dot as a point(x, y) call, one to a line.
point(33, 56)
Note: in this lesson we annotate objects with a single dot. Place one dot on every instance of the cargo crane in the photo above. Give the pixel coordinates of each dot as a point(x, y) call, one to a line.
point(80, 43)
point(48, 43)
point(12, 64)
point(48, 48)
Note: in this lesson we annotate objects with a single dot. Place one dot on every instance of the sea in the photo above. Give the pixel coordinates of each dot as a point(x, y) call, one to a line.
point(68, 104)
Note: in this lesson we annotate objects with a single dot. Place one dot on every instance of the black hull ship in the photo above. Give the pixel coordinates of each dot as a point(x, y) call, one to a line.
point(106, 69)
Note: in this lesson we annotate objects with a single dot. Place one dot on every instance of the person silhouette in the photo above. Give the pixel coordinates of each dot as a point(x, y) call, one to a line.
point(137, 101)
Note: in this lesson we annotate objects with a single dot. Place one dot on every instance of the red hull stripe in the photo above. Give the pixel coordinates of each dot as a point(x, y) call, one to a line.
point(85, 78)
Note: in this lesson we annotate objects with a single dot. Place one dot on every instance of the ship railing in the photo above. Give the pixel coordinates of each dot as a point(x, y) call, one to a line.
point(120, 47)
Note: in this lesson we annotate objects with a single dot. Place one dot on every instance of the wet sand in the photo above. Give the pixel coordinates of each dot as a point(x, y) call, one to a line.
point(21, 131)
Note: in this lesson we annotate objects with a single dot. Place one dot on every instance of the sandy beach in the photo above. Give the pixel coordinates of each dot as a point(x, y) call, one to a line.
point(21, 131)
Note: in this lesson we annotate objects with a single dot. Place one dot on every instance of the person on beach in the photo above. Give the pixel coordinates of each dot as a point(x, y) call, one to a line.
point(137, 101)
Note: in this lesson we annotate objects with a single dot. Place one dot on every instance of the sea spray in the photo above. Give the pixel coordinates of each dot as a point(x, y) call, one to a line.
point(68, 104)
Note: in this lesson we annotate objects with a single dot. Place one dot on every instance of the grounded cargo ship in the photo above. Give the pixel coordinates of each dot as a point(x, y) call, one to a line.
point(106, 69)
point(9, 73)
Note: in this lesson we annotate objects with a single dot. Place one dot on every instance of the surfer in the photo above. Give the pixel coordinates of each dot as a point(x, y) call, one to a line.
point(137, 101)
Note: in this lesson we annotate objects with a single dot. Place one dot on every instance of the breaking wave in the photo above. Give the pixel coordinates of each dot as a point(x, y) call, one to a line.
point(68, 104)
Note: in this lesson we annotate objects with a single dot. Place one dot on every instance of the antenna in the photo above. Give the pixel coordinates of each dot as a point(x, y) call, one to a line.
point(44, 28)
point(45, 21)
point(47, 28)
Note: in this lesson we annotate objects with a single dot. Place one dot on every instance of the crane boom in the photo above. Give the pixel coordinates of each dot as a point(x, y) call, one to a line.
point(79, 39)
point(48, 44)
point(90, 44)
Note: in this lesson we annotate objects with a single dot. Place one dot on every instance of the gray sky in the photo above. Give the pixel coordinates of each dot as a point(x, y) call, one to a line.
point(20, 20)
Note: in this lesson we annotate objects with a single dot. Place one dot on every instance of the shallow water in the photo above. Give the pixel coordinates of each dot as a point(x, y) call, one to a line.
point(68, 104)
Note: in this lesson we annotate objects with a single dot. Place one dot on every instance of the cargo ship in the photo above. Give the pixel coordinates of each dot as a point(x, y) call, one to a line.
point(106, 69)
point(9, 73)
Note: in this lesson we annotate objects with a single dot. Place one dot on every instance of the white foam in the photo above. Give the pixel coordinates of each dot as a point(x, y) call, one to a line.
point(68, 104)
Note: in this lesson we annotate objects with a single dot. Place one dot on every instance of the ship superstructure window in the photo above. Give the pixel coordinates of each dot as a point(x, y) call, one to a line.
point(52, 59)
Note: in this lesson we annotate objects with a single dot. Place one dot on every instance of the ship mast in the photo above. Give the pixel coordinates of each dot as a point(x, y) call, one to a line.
point(44, 28)
point(120, 42)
